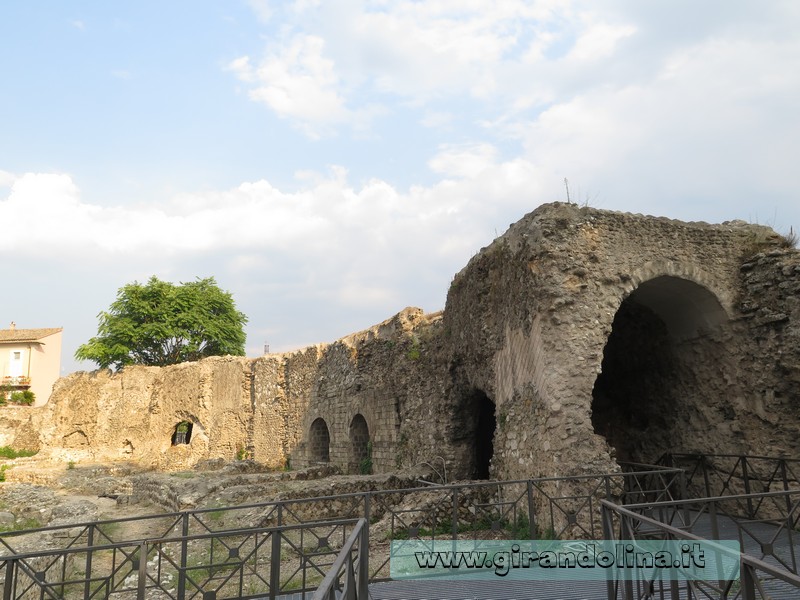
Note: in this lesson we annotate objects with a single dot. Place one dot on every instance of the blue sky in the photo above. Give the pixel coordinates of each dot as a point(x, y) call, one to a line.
point(333, 162)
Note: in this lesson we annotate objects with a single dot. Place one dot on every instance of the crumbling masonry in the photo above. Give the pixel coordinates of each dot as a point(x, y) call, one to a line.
point(577, 339)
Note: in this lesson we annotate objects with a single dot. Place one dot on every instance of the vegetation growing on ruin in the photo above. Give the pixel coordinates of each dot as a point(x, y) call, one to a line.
point(21, 525)
point(365, 466)
point(9, 452)
point(21, 397)
point(160, 323)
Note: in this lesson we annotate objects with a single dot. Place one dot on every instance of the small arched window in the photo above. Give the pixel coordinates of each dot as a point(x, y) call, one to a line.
point(182, 434)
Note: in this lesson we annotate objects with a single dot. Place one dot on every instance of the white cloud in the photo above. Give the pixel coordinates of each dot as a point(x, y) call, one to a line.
point(714, 118)
point(6, 178)
point(337, 59)
point(262, 9)
point(297, 81)
point(327, 221)
point(598, 41)
point(464, 160)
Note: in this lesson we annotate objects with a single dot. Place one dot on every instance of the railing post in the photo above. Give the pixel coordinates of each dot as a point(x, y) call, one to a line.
point(748, 582)
point(275, 558)
point(531, 513)
point(275, 564)
point(608, 533)
point(89, 543)
point(8, 586)
point(363, 559)
point(142, 582)
point(746, 479)
point(184, 553)
point(712, 509)
point(455, 513)
point(349, 580)
point(682, 485)
point(705, 476)
point(626, 533)
point(785, 479)
point(684, 498)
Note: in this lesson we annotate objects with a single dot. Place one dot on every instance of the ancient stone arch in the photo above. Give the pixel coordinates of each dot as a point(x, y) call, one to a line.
point(664, 353)
point(714, 284)
point(607, 336)
point(360, 445)
point(319, 441)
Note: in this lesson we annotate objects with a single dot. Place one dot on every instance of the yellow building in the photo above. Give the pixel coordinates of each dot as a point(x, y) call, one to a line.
point(30, 359)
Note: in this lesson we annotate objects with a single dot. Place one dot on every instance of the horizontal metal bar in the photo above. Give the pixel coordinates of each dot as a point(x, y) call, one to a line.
point(280, 529)
point(715, 499)
point(747, 456)
point(747, 559)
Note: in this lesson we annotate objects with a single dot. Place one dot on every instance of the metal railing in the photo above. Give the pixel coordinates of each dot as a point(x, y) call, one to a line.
point(713, 475)
point(769, 535)
point(237, 563)
point(348, 577)
point(758, 579)
point(554, 507)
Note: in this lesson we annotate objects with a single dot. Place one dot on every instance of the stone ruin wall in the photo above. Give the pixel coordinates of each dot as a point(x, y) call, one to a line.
point(698, 383)
point(699, 325)
point(259, 408)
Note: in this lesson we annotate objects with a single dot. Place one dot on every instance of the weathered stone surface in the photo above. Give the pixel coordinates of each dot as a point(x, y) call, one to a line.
point(577, 339)
point(599, 333)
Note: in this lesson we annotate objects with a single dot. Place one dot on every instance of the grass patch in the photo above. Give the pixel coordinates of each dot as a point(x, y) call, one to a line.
point(9, 452)
point(518, 529)
point(108, 530)
point(21, 525)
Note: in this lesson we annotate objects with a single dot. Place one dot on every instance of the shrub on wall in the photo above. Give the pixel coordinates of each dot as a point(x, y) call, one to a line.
point(25, 397)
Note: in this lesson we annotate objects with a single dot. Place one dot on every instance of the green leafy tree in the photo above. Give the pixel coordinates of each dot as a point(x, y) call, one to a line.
point(162, 324)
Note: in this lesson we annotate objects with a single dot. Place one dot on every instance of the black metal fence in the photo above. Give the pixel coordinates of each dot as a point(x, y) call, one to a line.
point(272, 548)
point(768, 566)
point(238, 563)
point(713, 475)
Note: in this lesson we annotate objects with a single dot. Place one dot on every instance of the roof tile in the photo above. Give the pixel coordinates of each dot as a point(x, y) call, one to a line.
point(27, 335)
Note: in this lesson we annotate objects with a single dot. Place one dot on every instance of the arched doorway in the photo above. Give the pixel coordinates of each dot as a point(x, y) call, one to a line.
point(485, 424)
point(319, 441)
point(662, 358)
point(360, 446)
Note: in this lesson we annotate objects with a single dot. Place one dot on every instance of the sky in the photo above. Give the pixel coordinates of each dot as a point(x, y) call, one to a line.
point(330, 163)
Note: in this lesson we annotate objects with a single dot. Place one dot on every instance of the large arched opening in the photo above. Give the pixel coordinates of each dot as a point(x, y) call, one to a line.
point(360, 446)
point(319, 441)
point(660, 363)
